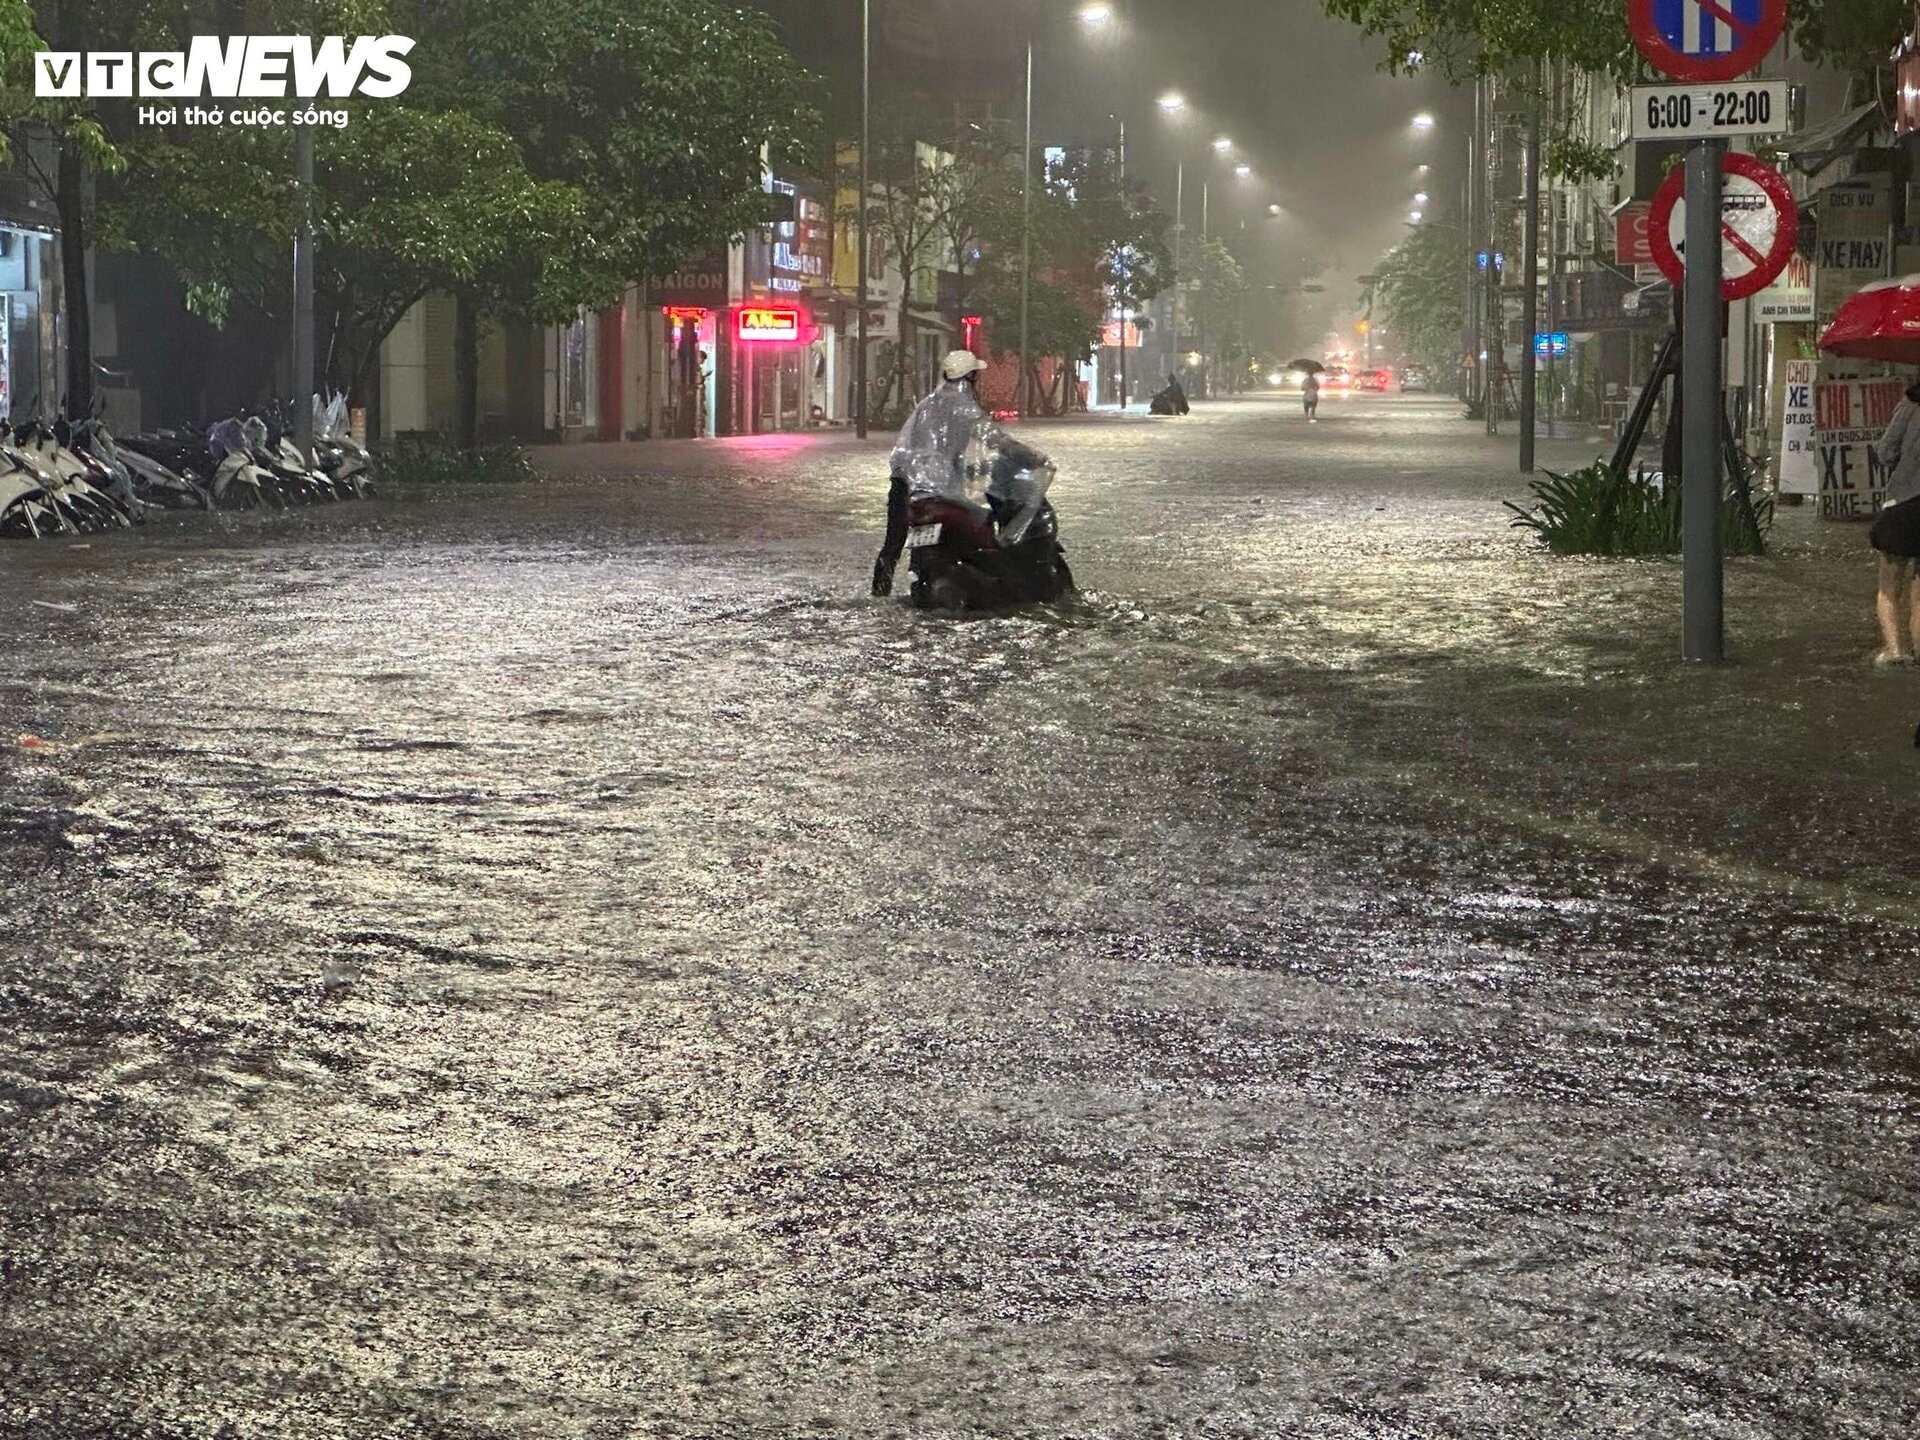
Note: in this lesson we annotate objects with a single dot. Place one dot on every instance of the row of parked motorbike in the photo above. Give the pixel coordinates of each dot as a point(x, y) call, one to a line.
point(73, 477)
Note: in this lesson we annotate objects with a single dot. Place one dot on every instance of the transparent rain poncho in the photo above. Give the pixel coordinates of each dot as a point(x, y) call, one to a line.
point(947, 431)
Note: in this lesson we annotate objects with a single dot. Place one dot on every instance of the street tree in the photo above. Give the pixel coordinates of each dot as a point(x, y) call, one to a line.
point(1417, 291)
point(1217, 291)
point(1465, 37)
point(407, 202)
point(1096, 242)
point(659, 114)
point(1512, 39)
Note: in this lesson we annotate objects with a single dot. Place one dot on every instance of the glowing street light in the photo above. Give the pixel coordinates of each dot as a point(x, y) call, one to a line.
point(1245, 172)
point(1173, 102)
point(1421, 198)
point(1415, 218)
point(1423, 122)
point(1223, 145)
point(1094, 16)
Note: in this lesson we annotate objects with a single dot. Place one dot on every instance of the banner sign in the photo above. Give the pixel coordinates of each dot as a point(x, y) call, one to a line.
point(699, 284)
point(1788, 300)
point(768, 323)
point(1632, 235)
point(1850, 416)
point(1855, 242)
point(1799, 460)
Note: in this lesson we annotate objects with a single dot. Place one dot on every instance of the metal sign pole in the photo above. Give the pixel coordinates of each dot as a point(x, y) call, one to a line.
point(1700, 460)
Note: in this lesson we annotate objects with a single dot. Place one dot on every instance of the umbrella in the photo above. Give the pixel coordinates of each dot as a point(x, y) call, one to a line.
point(1312, 367)
point(1881, 322)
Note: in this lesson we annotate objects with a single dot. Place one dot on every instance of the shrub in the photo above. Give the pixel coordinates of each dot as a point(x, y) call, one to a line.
point(1595, 512)
point(429, 459)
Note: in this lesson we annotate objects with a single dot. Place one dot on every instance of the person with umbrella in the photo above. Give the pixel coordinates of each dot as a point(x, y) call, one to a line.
point(1310, 387)
point(1895, 535)
point(1882, 322)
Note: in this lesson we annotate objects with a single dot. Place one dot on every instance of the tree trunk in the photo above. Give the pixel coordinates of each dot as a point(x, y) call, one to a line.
point(900, 350)
point(70, 199)
point(466, 370)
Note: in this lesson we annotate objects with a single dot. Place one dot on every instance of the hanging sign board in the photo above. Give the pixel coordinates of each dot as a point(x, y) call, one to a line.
point(764, 323)
point(1855, 242)
point(1789, 299)
point(1706, 40)
point(1799, 457)
point(1850, 416)
point(1759, 223)
point(1709, 112)
point(1632, 245)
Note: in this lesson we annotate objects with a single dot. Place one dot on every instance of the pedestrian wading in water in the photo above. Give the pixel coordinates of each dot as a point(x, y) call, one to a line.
point(1895, 536)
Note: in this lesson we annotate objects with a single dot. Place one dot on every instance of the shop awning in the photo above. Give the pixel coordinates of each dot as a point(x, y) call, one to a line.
point(1813, 149)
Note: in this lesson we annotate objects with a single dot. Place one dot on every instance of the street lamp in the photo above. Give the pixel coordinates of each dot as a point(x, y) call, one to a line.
point(1421, 198)
point(1245, 172)
point(1415, 217)
point(1173, 102)
point(1223, 145)
point(1094, 16)
point(1423, 122)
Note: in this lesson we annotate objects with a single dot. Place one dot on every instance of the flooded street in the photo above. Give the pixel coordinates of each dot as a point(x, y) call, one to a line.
point(559, 961)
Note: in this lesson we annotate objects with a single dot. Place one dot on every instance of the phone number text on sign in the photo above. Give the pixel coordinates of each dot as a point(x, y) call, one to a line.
point(1850, 416)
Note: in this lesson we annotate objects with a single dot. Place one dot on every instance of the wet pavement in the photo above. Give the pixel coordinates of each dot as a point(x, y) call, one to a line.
point(559, 962)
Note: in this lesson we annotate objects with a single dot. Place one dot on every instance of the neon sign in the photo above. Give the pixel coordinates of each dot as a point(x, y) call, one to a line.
point(760, 323)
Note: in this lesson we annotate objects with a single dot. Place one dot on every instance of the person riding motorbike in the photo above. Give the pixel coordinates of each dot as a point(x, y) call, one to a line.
point(930, 464)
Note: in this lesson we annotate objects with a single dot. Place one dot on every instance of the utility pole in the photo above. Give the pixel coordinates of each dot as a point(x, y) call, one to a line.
point(1530, 283)
point(860, 285)
point(303, 296)
point(1126, 279)
point(1026, 234)
point(1477, 272)
point(1701, 419)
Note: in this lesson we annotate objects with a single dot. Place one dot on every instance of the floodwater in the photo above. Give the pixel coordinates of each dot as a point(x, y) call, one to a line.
point(560, 962)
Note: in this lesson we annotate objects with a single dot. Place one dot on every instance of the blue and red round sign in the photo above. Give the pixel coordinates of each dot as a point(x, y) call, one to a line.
point(1706, 40)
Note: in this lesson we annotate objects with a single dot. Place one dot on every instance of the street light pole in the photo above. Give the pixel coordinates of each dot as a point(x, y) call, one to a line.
point(860, 284)
point(1026, 234)
point(1179, 224)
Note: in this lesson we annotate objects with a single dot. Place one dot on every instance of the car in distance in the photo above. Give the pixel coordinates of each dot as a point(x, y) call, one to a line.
point(1415, 378)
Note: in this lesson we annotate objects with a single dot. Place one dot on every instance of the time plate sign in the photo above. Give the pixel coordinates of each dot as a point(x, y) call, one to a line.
point(1704, 112)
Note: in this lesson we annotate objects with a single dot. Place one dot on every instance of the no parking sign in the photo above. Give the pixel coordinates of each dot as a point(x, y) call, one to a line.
point(1706, 40)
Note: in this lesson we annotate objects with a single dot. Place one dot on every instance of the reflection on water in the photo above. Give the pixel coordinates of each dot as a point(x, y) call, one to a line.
point(559, 963)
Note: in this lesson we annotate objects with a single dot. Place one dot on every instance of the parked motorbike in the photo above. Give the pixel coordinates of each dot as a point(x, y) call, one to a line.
point(1012, 556)
point(1171, 399)
point(74, 495)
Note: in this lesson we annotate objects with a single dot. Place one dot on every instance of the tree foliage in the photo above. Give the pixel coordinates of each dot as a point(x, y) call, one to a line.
point(1419, 291)
point(1097, 242)
point(1466, 37)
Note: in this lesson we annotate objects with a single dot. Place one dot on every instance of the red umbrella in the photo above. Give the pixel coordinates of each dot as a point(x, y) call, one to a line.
point(1882, 322)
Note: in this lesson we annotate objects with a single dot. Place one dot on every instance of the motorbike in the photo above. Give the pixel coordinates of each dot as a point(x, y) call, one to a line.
point(53, 490)
point(1011, 555)
point(1170, 400)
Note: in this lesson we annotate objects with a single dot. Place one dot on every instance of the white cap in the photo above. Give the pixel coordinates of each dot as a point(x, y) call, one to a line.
point(961, 363)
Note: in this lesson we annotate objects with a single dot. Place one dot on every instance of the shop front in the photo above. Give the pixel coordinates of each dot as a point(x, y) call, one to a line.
point(686, 311)
point(30, 366)
point(783, 355)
